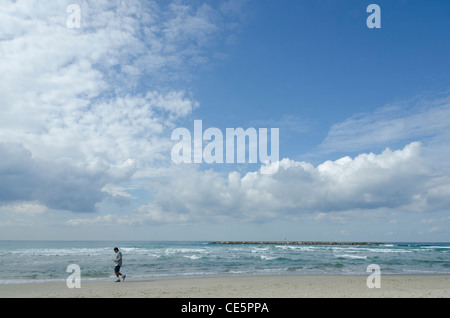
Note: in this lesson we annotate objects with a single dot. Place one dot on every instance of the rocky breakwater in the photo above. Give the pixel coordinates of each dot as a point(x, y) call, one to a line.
point(294, 243)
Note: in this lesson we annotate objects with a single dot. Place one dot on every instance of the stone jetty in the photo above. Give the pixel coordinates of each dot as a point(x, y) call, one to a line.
point(294, 243)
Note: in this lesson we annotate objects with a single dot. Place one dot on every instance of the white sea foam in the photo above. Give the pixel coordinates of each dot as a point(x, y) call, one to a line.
point(259, 249)
point(184, 250)
point(298, 248)
point(268, 258)
point(387, 250)
point(192, 256)
point(59, 251)
point(351, 256)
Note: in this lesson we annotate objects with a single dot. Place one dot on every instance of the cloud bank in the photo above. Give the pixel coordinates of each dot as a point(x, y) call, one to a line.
point(84, 108)
point(396, 180)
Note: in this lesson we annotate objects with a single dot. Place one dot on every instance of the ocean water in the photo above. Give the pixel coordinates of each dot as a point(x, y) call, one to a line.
point(47, 261)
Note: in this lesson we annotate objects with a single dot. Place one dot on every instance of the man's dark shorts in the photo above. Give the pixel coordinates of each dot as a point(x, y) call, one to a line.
point(117, 268)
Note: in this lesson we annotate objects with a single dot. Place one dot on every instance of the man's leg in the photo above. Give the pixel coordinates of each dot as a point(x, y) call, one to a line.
point(120, 274)
point(117, 271)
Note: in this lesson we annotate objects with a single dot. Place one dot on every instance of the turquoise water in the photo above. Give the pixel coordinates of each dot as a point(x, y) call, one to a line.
point(47, 261)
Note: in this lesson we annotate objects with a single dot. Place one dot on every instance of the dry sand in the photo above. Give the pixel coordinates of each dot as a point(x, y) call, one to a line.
point(299, 286)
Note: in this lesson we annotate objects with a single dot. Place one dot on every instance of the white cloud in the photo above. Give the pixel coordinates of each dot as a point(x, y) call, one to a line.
point(101, 219)
point(396, 123)
point(435, 229)
point(65, 93)
point(59, 184)
point(85, 108)
point(335, 190)
point(23, 208)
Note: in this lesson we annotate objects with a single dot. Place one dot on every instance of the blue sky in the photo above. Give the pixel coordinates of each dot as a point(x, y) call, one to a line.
point(318, 62)
point(87, 113)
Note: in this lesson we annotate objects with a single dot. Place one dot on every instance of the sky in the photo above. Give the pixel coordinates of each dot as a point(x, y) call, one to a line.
point(91, 91)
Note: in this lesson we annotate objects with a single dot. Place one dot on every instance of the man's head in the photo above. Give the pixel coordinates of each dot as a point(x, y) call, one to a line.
point(116, 249)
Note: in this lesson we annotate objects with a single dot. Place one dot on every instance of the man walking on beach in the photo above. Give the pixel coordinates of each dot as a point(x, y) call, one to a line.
point(118, 262)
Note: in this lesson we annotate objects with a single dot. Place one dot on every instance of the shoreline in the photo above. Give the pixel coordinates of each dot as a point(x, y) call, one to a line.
point(265, 286)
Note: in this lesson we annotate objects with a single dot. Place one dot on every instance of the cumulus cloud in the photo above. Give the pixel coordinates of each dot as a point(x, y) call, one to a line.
point(85, 108)
point(60, 185)
point(23, 208)
point(396, 180)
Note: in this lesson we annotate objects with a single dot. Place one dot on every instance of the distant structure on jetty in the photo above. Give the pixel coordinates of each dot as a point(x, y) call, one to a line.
point(294, 243)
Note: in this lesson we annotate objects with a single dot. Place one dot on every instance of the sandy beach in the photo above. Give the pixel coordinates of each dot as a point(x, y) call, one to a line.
point(283, 286)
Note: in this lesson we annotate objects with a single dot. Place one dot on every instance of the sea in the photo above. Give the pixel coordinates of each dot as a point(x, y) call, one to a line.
point(48, 261)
